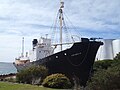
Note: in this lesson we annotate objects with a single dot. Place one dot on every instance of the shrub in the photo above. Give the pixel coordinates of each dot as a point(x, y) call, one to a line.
point(11, 80)
point(32, 74)
point(57, 81)
point(106, 79)
point(103, 64)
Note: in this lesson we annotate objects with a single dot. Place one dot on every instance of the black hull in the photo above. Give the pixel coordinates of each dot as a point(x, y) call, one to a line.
point(76, 61)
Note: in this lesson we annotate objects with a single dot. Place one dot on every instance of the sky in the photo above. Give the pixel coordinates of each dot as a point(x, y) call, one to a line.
point(33, 18)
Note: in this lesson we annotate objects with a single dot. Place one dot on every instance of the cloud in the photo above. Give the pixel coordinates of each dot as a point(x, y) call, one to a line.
point(87, 14)
point(96, 14)
point(34, 18)
point(11, 46)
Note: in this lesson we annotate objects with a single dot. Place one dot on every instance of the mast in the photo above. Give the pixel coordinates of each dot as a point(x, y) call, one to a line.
point(61, 21)
point(22, 54)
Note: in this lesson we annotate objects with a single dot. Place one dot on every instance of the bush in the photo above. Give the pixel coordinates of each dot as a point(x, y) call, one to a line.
point(106, 79)
point(57, 81)
point(103, 64)
point(11, 80)
point(106, 75)
point(32, 75)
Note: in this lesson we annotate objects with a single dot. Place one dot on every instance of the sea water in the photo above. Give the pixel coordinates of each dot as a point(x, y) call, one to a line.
point(7, 68)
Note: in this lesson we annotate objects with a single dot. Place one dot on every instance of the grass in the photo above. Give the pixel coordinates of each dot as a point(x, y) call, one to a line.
point(14, 86)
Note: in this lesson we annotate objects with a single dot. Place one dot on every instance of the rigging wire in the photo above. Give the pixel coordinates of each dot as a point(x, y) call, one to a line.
point(66, 32)
point(54, 35)
point(72, 24)
point(53, 28)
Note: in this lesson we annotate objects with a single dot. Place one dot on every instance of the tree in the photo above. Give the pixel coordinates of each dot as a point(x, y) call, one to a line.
point(32, 75)
point(106, 79)
point(103, 64)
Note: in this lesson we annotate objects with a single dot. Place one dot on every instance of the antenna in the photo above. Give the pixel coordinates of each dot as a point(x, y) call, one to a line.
point(22, 54)
point(46, 35)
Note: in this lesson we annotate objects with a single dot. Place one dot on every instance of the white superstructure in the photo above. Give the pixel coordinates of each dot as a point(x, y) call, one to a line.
point(109, 50)
point(41, 49)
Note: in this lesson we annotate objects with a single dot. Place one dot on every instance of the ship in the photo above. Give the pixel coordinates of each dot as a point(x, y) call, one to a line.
point(76, 61)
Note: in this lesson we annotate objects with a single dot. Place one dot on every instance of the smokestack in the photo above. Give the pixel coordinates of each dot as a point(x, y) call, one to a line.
point(34, 42)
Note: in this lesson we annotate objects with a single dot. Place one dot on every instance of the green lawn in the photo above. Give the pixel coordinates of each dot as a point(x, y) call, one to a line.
point(11, 86)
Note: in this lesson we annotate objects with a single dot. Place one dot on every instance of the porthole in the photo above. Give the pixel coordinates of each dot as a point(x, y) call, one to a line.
point(56, 56)
point(65, 54)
